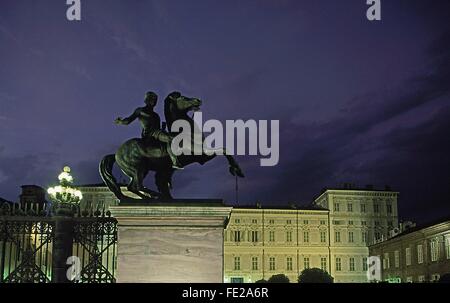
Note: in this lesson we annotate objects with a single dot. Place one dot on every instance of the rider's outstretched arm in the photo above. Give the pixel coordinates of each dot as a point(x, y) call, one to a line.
point(129, 119)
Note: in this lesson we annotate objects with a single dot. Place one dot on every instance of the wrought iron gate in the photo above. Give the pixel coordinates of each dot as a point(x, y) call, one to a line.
point(27, 237)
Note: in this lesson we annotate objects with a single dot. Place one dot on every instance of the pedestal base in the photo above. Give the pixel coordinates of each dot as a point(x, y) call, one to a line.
point(170, 243)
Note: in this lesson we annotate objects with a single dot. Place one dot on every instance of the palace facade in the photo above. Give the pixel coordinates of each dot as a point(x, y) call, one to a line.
point(333, 233)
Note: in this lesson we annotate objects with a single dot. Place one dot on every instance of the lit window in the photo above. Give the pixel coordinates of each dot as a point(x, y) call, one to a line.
point(408, 256)
point(434, 251)
point(419, 254)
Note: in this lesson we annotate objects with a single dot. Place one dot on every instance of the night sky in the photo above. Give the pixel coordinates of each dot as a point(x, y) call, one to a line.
point(358, 101)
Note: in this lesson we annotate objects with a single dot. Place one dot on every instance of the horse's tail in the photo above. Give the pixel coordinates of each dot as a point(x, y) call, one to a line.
point(105, 168)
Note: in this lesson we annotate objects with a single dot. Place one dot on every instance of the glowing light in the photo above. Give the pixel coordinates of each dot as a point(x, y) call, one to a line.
point(65, 193)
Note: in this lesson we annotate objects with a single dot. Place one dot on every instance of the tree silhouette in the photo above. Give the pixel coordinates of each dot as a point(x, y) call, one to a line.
point(280, 278)
point(314, 275)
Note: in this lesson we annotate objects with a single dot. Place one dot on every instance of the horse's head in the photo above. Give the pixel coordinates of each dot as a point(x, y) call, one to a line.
point(177, 106)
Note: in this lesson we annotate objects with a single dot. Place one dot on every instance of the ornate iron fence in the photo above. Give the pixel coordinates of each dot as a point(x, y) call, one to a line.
point(26, 244)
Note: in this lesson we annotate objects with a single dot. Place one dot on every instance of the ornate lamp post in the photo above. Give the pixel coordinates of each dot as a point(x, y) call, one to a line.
point(64, 196)
point(65, 199)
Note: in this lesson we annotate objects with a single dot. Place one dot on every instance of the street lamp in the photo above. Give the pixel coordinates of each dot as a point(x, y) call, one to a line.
point(65, 196)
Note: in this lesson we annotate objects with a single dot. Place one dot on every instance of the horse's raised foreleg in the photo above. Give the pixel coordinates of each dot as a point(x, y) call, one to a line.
point(234, 168)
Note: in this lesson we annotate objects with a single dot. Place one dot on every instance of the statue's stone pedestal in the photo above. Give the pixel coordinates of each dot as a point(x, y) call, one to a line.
point(170, 242)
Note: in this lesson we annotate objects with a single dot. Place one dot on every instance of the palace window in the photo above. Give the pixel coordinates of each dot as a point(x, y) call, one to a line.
point(289, 222)
point(289, 236)
point(254, 221)
point(389, 208)
point(447, 247)
point(376, 208)
point(363, 208)
point(419, 254)
point(349, 207)
point(352, 264)
point(386, 261)
point(272, 263)
point(350, 237)
point(377, 235)
point(364, 223)
point(338, 264)
point(323, 222)
point(305, 222)
point(306, 263)
point(271, 221)
point(254, 236)
point(306, 237)
point(408, 256)
point(323, 236)
point(271, 236)
point(336, 207)
point(364, 264)
point(237, 263)
point(237, 221)
point(434, 250)
point(350, 222)
point(364, 237)
point(289, 263)
point(254, 263)
point(237, 236)
point(397, 259)
point(323, 264)
point(337, 236)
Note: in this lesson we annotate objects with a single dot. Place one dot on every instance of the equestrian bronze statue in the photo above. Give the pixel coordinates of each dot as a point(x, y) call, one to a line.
point(152, 152)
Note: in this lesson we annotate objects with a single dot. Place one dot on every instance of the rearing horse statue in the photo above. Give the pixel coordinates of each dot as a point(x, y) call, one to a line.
point(136, 157)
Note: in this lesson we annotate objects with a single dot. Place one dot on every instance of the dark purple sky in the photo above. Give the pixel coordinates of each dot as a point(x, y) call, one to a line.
point(359, 102)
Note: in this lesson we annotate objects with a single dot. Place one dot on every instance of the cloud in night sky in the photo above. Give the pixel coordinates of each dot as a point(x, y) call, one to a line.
point(359, 102)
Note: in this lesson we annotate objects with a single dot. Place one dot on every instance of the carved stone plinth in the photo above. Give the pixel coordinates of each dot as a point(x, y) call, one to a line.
point(170, 242)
